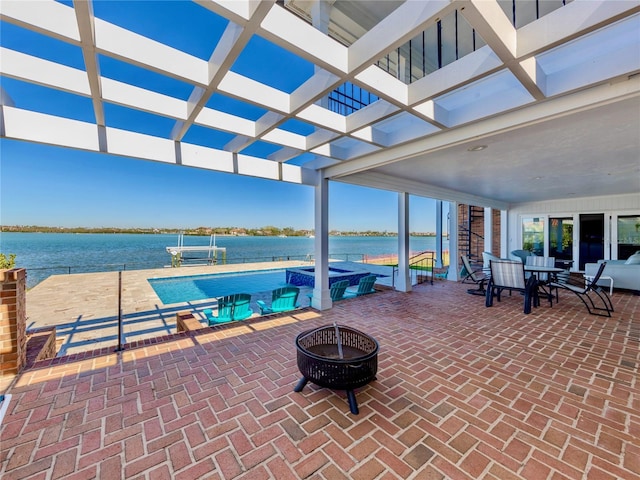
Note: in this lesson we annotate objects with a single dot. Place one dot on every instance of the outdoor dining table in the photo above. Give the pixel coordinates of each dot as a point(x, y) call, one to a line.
point(541, 269)
point(536, 269)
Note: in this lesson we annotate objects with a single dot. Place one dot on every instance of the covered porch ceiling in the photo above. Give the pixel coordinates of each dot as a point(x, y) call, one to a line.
point(238, 87)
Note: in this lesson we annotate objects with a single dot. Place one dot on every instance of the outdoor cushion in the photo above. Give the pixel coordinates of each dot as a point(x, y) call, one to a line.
point(633, 259)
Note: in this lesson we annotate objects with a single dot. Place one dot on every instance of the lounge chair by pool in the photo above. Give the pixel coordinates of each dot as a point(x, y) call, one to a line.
point(365, 286)
point(230, 307)
point(336, 291)
point(282, 300)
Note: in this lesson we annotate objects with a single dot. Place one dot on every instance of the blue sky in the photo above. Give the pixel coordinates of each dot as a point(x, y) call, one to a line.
point(54, 186)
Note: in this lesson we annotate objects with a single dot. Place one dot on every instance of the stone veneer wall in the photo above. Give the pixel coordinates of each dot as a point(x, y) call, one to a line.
point(13, 321)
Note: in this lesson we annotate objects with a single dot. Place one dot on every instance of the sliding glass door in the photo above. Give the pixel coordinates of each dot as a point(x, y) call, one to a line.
point(628, 235)
point(591, 238)
point(561, 240)
point(533, 235)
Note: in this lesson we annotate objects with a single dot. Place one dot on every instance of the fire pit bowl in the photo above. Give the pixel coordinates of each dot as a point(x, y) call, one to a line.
point(337, 357)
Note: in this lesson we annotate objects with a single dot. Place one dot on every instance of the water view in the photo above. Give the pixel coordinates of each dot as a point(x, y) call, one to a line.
point(45, 254)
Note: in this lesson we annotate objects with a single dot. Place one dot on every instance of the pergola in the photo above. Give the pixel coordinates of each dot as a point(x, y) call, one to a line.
point(531, 112)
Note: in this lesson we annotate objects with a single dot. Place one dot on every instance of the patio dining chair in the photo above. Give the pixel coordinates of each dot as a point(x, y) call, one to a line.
point(544, 279)
point(584, 291)
point(476, 276)
point(509, 275)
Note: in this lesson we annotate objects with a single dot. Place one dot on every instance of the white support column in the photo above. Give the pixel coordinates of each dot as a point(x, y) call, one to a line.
point(454, 254)
point(504, 234)
point(403, 282)
point(488, 230)
point(321, 299)
point(439, 233)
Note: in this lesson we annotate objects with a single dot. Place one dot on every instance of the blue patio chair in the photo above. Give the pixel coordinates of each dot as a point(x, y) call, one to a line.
point(336, 291)
point(443, 275)
point(365, 286)
point(521, 255)
point(230, 308)
point(282, 300)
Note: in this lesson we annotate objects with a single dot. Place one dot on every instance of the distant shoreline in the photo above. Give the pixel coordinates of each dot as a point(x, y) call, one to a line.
point(202, 231)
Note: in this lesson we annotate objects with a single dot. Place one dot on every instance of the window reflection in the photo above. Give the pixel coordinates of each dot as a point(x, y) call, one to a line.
point(533, 235)
point(628, 236)
point(561, 238)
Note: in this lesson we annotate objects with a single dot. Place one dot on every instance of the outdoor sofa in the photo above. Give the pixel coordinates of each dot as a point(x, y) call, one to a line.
point(625, 273)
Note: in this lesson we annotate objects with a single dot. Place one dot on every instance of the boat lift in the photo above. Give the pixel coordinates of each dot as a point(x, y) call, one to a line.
point(181, 253)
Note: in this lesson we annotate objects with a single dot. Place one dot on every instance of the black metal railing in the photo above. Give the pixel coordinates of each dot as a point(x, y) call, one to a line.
point(36, 275)
point(451, 38)
point(349, 98)
point(421, 267)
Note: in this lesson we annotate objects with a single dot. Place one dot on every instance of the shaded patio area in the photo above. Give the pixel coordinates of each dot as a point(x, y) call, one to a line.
point(462, 392)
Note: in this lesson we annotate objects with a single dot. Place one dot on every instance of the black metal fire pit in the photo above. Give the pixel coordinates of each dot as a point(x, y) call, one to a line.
point(337, 357)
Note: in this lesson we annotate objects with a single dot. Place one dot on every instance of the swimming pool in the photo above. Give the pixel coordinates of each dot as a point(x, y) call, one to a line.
point(201, 287)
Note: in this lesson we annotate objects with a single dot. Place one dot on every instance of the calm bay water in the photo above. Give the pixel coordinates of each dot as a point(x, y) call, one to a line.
point(45, 254)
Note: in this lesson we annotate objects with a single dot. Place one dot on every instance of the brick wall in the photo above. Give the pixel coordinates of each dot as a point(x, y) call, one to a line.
point(477, 229)
point(495, 245)
point(13, 321)
point(41, 345)
point(186, 322)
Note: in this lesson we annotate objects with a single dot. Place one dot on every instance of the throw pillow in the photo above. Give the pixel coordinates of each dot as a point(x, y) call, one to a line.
point(633, 259)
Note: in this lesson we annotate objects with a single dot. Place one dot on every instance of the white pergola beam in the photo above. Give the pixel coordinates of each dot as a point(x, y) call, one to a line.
point(28, 68)
point(383, 85)
point(471, 67)
point(42, 128)
point(320, 137)
point(323, 117)
point(609, 66)
point(144, 52)
point(491, 23)
point(238, 11)
point(255, 92)
point(530, 115)
point(131, 96)
point(386, 182)
point(284, 154)
point(226, 122)
point(404, 23)
point(572, 20)
point(318, 86)
point(206, 158)
point(234, 39)
point(285, 28)
point(46, 17)
point(372, 135)
point(370, 114)
point(286, 138)
point(85, 18)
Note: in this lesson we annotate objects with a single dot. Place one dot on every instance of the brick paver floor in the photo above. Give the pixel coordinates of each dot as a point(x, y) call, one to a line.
point(462, 392)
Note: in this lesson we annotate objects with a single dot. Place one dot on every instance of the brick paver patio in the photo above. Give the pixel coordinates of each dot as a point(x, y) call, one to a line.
point(462, 392)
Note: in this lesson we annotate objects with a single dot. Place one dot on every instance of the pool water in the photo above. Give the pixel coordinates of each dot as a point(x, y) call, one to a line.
point(202, 287)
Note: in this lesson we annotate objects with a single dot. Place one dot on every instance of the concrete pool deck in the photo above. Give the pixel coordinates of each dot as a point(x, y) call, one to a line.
point(84, 306)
